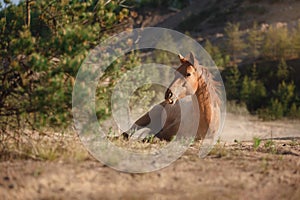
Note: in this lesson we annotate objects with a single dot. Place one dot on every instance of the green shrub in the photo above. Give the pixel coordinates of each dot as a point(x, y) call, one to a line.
point(276, 109)
point(253, 93)
point(41, 57)
point(294, 112)
point(234, 43)
point(277, 43)
point(256, 142)
point(232, 79)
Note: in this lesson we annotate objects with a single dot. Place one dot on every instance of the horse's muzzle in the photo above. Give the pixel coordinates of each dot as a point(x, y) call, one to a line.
point(168, 97)
point(170, 101)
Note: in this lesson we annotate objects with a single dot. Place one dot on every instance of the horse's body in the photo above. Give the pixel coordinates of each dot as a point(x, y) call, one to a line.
point(191, 104)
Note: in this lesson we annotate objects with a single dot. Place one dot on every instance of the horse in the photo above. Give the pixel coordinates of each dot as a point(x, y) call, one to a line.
point(192, 99)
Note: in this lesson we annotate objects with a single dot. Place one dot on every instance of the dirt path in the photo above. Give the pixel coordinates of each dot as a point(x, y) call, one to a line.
point(246, 127)
point(230, 172)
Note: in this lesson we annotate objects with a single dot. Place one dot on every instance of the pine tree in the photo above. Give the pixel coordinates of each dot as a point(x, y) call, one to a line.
point(253, 93)
point(294, 111)
point(235, 43)
point(42, 48)
point(277, 44)
point(282, 70)
point(245, 90)
point(220, 60)
point(232, 79)
point(285, 93)
point(254, 75)
point(296, 40)
point(255, 39)
point(276, 109)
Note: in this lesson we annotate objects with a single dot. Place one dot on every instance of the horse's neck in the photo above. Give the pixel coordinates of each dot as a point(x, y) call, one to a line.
point(204, 98)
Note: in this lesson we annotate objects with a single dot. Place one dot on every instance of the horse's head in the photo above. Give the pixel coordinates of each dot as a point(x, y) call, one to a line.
point(186, 80)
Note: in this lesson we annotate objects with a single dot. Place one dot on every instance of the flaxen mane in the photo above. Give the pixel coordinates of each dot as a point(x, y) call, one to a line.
point(210, 97)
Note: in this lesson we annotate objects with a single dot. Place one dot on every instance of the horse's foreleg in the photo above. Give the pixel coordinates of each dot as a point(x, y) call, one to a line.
point(147, 125)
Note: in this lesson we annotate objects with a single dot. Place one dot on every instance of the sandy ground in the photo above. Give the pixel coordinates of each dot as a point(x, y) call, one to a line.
point(239, 173)
point(232, 171)
point(245, 128)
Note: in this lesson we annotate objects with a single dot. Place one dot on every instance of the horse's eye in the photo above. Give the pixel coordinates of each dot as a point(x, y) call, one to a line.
point(188, 74)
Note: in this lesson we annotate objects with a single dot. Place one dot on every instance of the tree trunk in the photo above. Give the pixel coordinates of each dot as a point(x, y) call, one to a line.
point(28, 13)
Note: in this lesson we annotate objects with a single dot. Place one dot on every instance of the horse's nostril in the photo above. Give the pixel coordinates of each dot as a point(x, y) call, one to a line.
point(168, 94)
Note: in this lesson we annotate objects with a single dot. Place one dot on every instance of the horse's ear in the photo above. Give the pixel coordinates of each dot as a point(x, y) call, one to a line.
point(181, 58)
point(191, 59)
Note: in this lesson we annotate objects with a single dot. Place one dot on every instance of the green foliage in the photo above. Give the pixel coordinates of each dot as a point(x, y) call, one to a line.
point(235, 43)
point(253, 92)
point(270, 93)
point(232, 79)
point(255, 39)
point(269, 143)
point(161, 56)
point(270, 146)
point(122, 69)
point(294, 111)
point(281, 104)
point(285, 94)
point(276, 109)
point(296, 39)
point(220, 60)
point(246, 90)
point(277, 44)
point(256, 143)
point(282, 70)
point(39, 60)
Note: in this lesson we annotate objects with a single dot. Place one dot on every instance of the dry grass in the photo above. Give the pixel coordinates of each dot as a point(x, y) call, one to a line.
point(150, 145)
point(219, 150)
point(42, 145)
point(49, 145)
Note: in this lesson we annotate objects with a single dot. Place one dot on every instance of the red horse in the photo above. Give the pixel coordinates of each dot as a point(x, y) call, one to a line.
point(192, 103)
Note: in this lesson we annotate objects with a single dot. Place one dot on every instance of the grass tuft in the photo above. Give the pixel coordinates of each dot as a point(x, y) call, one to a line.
point(42, 145)
point(256, 143)
point(219, 150)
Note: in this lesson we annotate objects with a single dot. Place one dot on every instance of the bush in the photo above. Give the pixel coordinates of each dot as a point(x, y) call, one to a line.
point(253, 93)
point(277, 44)
point(235, 44)
point(294, 112)
point(276, 109)
point(232, 79)
point(40, 57)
